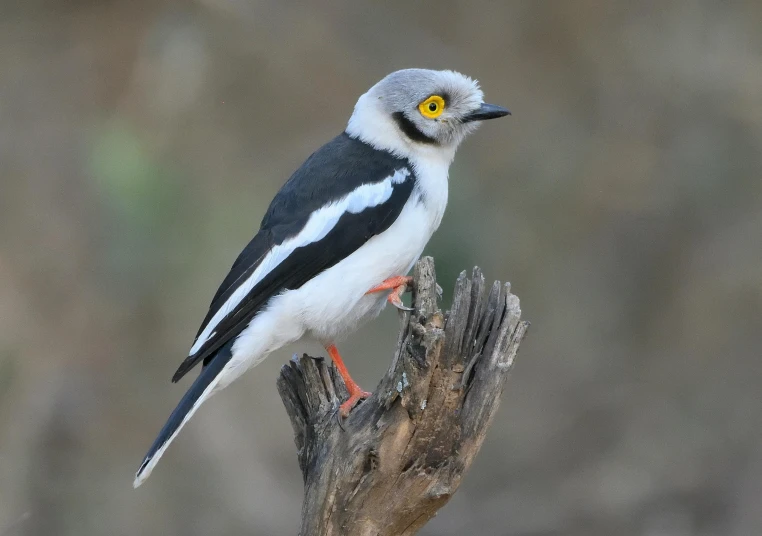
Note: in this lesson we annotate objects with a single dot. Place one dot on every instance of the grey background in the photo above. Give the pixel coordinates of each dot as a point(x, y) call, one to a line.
point(141, 141)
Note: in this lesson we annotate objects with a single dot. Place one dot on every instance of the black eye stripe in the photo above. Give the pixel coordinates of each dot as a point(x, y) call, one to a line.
point(411, 131)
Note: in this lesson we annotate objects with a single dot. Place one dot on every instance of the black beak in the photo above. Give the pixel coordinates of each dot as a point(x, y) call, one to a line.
point(486, 111)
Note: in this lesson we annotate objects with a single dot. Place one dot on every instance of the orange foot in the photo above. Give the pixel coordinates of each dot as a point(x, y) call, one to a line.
point(354, 397)
point(355, 392)
point(397, 284)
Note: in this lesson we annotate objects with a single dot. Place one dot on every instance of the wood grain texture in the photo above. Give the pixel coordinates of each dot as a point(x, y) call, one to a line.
point(401, 454)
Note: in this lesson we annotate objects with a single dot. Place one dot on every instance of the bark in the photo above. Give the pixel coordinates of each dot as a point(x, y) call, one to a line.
point(401, 454)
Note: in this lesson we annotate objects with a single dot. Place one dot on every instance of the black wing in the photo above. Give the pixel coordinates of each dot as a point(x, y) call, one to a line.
point(332, 172)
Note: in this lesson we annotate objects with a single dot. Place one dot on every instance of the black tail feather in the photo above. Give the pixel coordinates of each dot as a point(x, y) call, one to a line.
point(186, 405)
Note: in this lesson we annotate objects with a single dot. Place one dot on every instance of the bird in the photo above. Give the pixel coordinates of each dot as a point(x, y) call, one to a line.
point(338, 239)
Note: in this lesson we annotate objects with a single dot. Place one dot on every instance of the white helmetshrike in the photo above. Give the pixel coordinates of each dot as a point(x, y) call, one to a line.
point(339, 237)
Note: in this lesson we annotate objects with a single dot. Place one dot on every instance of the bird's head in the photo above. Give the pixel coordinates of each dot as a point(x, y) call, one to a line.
point(416, 111)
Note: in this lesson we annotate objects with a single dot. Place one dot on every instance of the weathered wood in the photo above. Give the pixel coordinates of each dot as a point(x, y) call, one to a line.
point(401, 454)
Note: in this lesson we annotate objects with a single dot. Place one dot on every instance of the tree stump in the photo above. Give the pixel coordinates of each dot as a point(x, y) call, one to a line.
point(401, 454)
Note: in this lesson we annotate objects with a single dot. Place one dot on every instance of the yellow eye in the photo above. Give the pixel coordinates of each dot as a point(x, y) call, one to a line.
point(432, 107)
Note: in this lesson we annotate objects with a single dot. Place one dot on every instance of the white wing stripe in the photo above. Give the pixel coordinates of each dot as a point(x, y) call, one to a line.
point(318, 226)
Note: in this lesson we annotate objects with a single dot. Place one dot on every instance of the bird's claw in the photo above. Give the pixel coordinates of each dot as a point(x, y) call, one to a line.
point(394, 298)
point(397, 285)
point(351, 402)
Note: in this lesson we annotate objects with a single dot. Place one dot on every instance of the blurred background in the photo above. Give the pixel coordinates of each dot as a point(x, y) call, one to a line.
point(141, 141)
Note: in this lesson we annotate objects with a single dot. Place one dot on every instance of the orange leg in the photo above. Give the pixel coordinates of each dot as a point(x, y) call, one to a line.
point(355, 392)
point(397, 285)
